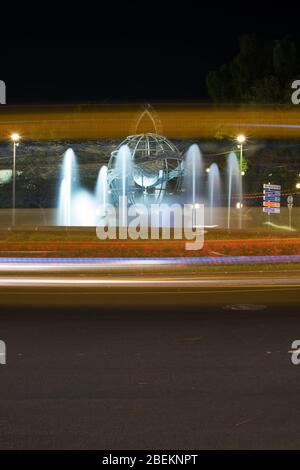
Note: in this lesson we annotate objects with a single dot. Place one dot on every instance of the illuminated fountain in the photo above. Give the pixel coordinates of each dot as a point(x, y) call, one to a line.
point(76, 206)
point(234, 183)
point(146, 169)
point(101, 193)
point(155, 169)
point(68, 187)
point(193, 175)
point(193, 178)
point(83, 209)
point(123, 179)
point(214, 192)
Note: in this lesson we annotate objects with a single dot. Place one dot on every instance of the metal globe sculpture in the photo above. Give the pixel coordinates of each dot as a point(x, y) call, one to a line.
point(156, 169)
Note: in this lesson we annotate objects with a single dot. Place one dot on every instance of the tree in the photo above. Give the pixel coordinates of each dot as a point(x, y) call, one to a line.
point(262, 72)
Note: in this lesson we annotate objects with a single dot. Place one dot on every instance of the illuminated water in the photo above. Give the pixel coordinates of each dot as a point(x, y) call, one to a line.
point(214, 192)
point(79, 207)
point(234, 184)
point(101, 193)
point(68, 187)
point(123, 168)
point(83, 209)
point(193, 174)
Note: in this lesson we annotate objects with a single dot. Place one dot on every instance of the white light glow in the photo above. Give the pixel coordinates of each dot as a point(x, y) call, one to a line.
point(241, 138)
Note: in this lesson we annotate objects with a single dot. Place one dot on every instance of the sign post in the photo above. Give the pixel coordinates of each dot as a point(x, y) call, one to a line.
point(290, 200)
point(271, 199)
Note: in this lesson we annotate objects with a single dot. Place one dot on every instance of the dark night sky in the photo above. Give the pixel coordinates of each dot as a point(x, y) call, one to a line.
point(149, 51)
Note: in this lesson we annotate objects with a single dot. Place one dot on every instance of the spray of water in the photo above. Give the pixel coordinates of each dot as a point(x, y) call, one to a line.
point(234, 183)
point(77, 206)
point(214, 190)
point(101, 191)
point(84, 209)
point(193, 174)
point(124, 176)
point(68, 187)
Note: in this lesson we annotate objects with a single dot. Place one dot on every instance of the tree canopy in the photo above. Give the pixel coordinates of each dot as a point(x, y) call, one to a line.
point(262, 72)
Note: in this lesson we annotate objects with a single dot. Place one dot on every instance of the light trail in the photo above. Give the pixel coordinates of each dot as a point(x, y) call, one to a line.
point(73, 122)
point(78, 264)
point(261, 282)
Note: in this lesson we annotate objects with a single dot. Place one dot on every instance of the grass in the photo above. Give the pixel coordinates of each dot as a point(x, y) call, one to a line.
point(59, 242)
point(60, 234)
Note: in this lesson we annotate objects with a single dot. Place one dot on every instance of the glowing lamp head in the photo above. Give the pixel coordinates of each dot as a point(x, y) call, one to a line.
point(15, 137)
point(239, 205)
point(241, 138)
point(298, 185)
point(207, 170)
point(242, 173)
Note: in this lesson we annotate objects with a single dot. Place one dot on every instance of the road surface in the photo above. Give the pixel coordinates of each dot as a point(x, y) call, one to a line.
point(190, 366)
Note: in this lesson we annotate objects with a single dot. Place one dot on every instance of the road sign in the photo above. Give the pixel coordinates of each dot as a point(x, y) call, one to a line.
point(271, 210)
point(271, 198)
point(275, 187)
point(270, 192)
point(290, 199)
point(271, 204)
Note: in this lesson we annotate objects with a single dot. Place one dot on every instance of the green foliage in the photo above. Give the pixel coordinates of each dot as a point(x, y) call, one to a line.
point(244, 164)
point(220, 84)
point(262, 72)
point(285, 59)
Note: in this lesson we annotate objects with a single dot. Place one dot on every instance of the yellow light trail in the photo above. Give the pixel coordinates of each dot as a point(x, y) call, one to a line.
point(182, 121)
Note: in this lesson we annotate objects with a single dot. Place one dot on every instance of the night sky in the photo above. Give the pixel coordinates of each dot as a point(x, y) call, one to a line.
point(145, 52)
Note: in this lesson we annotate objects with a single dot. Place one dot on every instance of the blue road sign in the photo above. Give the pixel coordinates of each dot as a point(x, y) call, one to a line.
point(271, 198)
point(271, 193)
point(272, 210)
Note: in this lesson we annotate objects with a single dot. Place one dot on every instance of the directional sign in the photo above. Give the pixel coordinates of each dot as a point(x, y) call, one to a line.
point(271, 192)
point(271, 204)
point(271, 198)
point(275, 187)
point(271, 210)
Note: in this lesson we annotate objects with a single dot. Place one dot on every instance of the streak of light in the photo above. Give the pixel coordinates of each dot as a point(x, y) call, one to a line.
point(178, 121)
point(281, 227)
point(78, 264)
point(157, 282)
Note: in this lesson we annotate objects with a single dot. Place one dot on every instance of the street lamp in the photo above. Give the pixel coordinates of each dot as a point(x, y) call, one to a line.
point(15, 137)
point(241, 139)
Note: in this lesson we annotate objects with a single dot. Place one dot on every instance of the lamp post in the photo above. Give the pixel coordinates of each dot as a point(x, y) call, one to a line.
point(15, 137)
point(241, 140)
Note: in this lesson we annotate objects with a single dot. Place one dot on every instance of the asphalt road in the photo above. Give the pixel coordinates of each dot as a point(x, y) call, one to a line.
point(178, 367)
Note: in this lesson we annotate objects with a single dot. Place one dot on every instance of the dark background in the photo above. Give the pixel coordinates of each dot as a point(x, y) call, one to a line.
point(144, 51)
